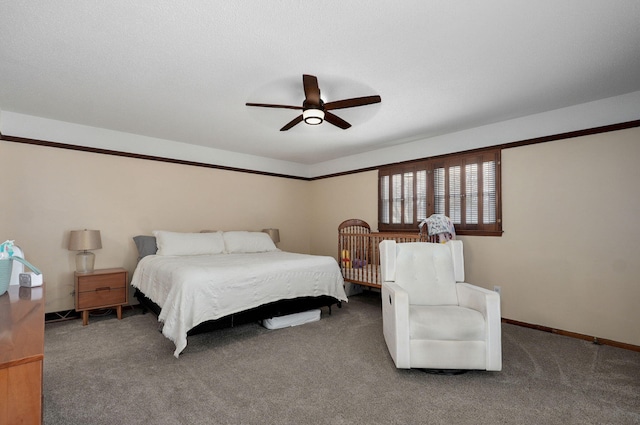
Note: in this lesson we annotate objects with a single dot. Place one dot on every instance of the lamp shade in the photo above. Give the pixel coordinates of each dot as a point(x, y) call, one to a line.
point(274, 234)
point(84, 240)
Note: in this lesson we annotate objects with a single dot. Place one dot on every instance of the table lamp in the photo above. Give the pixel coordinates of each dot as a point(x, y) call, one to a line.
point(84, 241)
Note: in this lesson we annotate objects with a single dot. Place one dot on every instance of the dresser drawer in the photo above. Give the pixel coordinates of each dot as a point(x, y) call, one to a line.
point(101, 297)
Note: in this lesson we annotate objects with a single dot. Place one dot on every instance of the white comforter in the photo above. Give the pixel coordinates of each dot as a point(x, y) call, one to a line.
point(193, 289)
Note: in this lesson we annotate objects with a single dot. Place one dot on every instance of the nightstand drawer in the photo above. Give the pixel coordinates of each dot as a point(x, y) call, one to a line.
point(104, 288)
point(101, 297)
point(90, 283)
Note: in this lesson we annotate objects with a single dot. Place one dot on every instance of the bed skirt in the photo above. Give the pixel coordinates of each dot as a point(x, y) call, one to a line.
point(266, 311)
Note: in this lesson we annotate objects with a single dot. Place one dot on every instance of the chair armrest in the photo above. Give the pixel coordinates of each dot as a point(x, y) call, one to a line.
point(477, 298)
point(395, 323)
point(488, 303)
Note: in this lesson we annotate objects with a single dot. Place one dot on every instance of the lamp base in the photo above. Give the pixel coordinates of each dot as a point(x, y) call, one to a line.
point(85, 261)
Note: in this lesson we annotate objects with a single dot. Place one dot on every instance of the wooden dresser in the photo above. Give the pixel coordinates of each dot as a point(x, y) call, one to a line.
point(21, 355)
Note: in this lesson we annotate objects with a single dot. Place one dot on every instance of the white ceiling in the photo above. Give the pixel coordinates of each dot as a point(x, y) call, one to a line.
point(182, 70)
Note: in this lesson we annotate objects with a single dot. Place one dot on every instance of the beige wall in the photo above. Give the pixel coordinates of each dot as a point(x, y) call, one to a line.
point(336, 199)
point(568, 258)
point(47, 192)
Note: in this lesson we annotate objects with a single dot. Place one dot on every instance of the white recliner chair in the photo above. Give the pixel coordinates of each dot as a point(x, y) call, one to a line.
point(431, 319)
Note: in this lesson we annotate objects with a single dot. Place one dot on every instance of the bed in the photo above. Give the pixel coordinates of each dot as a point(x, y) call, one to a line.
point(197, 281)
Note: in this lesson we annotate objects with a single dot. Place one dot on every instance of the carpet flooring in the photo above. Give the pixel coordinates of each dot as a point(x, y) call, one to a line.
point(334, 371)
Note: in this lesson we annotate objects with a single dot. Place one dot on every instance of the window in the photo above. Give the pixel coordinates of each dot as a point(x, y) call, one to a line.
point(464, 187)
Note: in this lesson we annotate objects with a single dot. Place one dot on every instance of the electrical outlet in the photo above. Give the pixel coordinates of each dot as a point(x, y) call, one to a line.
point(498, 289)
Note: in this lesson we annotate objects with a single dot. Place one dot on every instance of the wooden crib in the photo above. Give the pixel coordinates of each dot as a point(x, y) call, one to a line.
point(359, 254)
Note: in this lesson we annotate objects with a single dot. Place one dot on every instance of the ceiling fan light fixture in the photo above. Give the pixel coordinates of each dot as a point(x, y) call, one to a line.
point(313, 108)
point(313, 116)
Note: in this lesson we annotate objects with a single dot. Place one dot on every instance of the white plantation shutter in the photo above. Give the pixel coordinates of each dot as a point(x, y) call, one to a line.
point(421, 195)
point(439, 190)
point(408, 198)
point(396, 198)
point(471, 193)
point(455, 195)
point(384, 199)
point(489, 192)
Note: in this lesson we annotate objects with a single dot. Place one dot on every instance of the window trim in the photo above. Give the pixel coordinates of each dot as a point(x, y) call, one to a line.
point(477, 156)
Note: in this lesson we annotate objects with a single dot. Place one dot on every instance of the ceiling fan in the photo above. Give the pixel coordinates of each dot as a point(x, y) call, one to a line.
point(315, 111)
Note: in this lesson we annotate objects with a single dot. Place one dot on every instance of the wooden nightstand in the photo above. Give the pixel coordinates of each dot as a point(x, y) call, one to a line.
point(104, 288)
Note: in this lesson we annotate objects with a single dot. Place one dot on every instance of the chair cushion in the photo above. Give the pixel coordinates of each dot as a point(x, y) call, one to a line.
point(425, 271)
point(450, 323)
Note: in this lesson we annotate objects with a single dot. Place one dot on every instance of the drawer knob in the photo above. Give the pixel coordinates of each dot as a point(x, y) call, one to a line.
point(103, 288)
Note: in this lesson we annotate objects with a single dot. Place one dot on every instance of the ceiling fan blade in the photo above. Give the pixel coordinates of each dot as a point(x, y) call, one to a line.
point(336, 120)
point(269, 105)
point(350, 103)
point(296, 120)
point(311, 89)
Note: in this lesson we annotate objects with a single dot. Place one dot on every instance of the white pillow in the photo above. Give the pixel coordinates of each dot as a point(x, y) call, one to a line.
point(241, 241)
point(174, 243)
